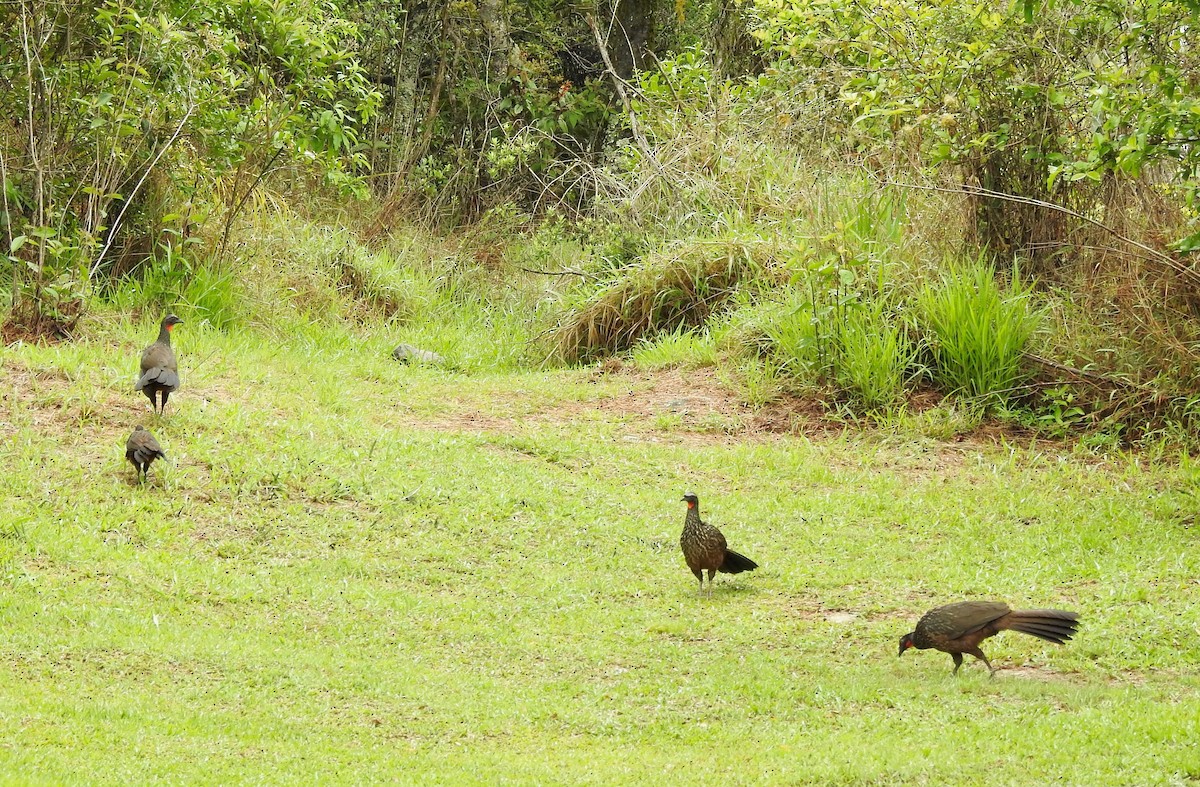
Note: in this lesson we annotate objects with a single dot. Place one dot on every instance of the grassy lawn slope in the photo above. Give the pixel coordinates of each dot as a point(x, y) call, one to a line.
point(352, 570)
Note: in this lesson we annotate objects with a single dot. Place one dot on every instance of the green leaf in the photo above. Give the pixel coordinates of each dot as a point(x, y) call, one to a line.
point(1187, 245)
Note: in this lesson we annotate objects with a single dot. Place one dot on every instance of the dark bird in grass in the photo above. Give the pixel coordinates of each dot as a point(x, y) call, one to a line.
point(705, 549)
point(141, 449)
point(959, 628)
point(160, 371)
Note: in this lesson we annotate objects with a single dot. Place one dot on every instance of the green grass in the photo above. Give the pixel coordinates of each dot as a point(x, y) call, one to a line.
point(353, 570)
point(875, 358)
point(676, 348)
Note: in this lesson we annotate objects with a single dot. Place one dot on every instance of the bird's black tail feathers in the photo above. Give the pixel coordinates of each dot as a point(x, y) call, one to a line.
point(1052, 625)
point(736, 564)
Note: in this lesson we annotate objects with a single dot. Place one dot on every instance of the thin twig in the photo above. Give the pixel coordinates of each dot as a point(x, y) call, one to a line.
point(262, 174)
point(566, 272)
point(1083, 374)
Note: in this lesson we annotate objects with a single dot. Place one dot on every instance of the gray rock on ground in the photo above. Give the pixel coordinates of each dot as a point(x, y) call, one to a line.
point(406, 353)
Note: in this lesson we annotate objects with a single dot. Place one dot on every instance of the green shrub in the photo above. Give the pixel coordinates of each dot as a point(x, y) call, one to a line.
point(173, 281)
point(213, 295)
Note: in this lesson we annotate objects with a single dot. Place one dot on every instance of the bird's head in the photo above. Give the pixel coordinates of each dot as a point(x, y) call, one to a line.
point(906, 642)
point(139, 428)
point(170, 321)
point(691, 499)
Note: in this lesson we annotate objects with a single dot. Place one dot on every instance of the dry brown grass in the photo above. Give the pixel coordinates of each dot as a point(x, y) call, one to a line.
point(680, 285)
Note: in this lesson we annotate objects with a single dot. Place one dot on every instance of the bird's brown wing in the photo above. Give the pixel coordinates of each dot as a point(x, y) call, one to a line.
point(719, 538)
point(966, 617)
point(158, 356)
point(142, 445)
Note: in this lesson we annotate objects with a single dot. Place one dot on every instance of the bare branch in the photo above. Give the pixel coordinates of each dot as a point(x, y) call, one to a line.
point(564, 272)
point(620, 85)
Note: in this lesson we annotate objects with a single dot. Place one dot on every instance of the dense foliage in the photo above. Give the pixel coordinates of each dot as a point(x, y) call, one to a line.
point(1030, 99)
point(129, 124)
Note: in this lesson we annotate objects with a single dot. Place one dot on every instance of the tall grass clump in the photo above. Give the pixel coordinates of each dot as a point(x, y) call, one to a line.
point(977, 333)
point(859, 351)
point(675, 287)
point(875, 358)
point(790, 332)
point(194, 289)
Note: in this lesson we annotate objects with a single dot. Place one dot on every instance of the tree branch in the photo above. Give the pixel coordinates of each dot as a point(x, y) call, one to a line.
point(112, 234)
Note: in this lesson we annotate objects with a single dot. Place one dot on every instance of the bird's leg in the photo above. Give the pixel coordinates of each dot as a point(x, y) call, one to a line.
point(977, 653)
point(711, 573)
point(958, 660)
point(700, 578)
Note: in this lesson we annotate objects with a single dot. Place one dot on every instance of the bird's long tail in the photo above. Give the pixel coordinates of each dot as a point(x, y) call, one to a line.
point(148, 454)
point(736, 564)
point(1052, 625)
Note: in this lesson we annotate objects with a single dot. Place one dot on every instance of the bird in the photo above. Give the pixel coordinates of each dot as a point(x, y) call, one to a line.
point(141, 449)
point(160, 371)
point(959, 628)
point(705, 548)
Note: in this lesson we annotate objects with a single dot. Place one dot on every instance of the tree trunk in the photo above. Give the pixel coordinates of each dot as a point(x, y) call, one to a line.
point(503, 55)
point(627, 26)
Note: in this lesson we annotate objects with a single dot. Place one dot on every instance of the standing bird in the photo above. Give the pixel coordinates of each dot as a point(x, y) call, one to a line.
point(160, 371)
point(141, 449)
point(704, 547)
point(959, 628)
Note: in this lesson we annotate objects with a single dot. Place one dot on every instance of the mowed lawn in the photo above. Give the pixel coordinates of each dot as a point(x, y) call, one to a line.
point(355, 571)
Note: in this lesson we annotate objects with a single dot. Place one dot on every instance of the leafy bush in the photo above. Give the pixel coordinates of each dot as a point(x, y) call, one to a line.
point(1037, 100)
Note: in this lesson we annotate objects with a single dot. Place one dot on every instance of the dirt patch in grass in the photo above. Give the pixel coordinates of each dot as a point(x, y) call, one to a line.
point(689, 400)
point(674, 405)
point(1030, 673)
point(51, 409)
point(796, 416)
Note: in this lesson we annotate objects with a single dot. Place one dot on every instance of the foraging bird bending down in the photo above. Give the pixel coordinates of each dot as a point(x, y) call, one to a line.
point(160, 372)
point(704, 547)
point(959, 628)
point(141, 449)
